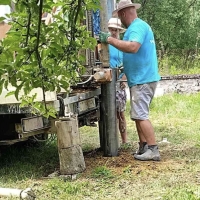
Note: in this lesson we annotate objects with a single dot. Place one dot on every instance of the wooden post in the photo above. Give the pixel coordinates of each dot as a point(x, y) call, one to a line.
point(69, 147)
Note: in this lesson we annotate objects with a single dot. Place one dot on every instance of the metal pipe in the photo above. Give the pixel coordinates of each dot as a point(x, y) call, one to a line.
point(89, 79)
point(109, 136)
point(108, 119)
point(22, 194)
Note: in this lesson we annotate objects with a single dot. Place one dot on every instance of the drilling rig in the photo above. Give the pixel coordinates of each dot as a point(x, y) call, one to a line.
point(92, 100)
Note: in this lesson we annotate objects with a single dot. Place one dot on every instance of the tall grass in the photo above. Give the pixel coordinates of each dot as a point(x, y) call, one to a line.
point(176, 64)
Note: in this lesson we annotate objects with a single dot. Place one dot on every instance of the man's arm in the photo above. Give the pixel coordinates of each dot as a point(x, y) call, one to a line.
point(125, 46)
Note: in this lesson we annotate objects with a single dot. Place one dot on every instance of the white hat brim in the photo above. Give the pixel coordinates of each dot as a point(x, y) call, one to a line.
point(121, 30)
point(136, 5)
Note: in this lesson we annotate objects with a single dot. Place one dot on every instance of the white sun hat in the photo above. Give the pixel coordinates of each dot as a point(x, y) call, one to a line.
point(125, 4)
point(116, 23)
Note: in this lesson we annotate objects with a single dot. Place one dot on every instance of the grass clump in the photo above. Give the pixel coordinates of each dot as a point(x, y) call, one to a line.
point(102, 172)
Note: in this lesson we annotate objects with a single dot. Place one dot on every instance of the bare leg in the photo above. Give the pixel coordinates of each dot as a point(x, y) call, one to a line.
point(122, 126)
point(140, 134)
point(145, 131)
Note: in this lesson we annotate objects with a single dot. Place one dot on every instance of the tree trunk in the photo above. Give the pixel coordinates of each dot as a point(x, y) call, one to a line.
point(69, 147)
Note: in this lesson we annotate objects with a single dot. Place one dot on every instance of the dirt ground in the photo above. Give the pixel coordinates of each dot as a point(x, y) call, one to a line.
point(125, 160)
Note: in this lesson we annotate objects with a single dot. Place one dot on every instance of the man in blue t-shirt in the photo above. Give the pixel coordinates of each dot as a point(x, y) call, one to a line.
point(141, 69)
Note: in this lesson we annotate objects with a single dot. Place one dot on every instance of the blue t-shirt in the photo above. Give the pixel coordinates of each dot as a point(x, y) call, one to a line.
point(116, 57)
point(141, 67)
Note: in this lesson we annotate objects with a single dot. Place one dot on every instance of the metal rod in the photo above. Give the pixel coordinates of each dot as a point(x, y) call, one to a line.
point(108, 119)
point(110, 134)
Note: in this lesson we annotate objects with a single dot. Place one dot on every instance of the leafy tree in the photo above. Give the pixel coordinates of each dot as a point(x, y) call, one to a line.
point(172, 22)
point(36, 55)
point(176, 27)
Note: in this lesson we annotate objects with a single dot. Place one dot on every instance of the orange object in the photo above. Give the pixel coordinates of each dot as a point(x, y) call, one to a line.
point(4, 28)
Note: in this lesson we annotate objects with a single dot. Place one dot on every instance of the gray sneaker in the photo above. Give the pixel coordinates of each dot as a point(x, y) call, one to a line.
point(150, 154)
point(142, 149)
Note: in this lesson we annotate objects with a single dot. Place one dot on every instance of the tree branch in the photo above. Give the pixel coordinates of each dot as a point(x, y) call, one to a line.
point(38, 54)
point(28, 27)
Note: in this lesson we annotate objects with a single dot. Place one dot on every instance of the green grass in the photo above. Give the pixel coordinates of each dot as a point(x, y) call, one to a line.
point(178, 117)
point(102, 172)
point(176, 177)
point(177, 65)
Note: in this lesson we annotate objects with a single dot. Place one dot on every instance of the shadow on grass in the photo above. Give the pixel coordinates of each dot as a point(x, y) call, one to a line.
point(22, 161)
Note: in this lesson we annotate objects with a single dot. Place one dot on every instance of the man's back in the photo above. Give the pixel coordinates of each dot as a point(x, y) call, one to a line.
point(141, 67)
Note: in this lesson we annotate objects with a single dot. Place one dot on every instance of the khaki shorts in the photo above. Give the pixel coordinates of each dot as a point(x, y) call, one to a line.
point(140, 99)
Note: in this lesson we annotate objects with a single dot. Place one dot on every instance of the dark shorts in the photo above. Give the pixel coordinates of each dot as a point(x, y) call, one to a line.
point(140, 99)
